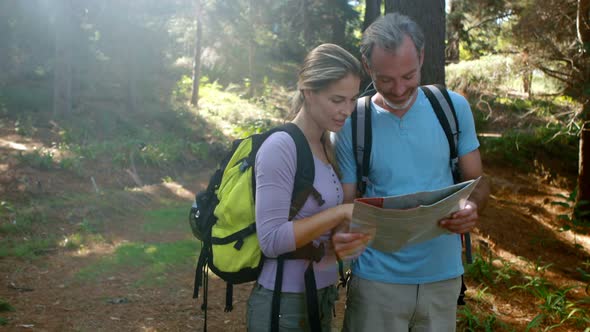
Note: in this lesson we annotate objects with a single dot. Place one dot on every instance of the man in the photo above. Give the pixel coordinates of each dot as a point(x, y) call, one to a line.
point(415, 288)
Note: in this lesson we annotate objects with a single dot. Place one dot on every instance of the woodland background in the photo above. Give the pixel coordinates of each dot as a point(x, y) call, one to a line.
point(114, 113)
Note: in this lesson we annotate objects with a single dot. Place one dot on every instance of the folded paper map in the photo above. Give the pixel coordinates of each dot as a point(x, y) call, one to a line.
point(398, 221)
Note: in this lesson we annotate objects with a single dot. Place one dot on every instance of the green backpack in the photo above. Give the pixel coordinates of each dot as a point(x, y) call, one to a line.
point(223, 218)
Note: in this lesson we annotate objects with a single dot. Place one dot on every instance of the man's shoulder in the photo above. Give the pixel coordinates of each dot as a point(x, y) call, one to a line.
point(460, 103)
point(455, 95)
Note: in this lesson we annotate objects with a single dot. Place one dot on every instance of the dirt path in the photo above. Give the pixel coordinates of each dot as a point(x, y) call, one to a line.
point(49, 294)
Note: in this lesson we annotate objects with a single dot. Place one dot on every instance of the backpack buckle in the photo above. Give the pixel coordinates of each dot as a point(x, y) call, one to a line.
point(244, 165)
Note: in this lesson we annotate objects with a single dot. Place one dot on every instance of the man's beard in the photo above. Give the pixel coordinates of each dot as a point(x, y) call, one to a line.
point(399, 107)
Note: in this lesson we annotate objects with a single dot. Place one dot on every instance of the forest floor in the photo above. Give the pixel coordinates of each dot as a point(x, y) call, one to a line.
point(115, 282)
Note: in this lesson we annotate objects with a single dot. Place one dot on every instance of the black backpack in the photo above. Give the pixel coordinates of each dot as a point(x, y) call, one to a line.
point(443, 107)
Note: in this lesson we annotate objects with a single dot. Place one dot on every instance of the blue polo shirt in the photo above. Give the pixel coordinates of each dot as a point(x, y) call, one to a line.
point(409, 154)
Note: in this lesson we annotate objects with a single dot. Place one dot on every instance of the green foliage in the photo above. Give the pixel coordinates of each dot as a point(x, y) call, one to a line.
point(472, 322)
point(5, 306)
point(7, 211)
point(73, 163)
point(261, 32)
point(183, 87)
point(576, 219)
point(480, 26)
point(24, 126)
point(20, 221)
point(554, 46)
point(554, 304)
point(525, 148)
point(496, 75)
point(200, 149)
point(86, 234)
point(487, 74)
point(252, 126)
point(42, 160)
point(236, 116)
point(33, 95)
point(489, 269)
point(534, 145)
point(146, 147)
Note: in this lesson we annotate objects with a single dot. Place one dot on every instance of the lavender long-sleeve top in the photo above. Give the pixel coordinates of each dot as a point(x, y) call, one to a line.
point(275, 173)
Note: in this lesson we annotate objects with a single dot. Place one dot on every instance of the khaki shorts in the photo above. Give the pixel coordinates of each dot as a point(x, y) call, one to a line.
point(293, 316)
point(376, 306)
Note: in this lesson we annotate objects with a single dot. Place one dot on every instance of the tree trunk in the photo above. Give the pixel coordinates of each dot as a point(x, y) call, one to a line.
point(62, 71)
point(252, 75)
point(372, 12)
point(338, 23)
point(584, 172)
point(454, 25)
point(131, 60)
point(430, 16)
point(197, 58)
point(306, 25)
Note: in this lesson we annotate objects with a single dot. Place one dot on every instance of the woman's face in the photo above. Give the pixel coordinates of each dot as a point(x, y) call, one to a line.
point(331, 106)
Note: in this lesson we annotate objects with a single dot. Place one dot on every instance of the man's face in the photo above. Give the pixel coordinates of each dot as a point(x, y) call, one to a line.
point(396, 74)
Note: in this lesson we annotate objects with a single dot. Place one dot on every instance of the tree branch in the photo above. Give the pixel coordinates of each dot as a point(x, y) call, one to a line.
point(490, 19)
point(561, 76)
point(583, 22)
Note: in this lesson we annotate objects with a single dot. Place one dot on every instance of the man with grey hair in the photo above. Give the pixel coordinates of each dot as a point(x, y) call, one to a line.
point(415, 288)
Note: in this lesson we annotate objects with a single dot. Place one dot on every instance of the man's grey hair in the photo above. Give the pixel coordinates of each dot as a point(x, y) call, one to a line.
point(388, 33)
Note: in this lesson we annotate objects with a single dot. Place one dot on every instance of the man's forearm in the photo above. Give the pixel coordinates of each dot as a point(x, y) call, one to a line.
point(481, 194)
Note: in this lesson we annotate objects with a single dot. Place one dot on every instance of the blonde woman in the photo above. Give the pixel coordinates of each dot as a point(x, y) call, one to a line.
point(328, 87)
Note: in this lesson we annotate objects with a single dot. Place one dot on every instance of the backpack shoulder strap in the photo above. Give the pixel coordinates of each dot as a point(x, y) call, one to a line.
point(362, 140)
point(443, 107)
point(442, 104)
point(305, 173)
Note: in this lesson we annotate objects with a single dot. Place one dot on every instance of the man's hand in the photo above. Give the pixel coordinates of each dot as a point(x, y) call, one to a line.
point(349, 245)
point(462, 221)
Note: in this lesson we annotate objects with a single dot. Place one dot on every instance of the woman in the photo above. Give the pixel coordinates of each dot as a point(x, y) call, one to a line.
point(328, 87)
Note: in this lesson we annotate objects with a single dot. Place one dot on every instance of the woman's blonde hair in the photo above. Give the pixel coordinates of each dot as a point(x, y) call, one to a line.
point(324, 65)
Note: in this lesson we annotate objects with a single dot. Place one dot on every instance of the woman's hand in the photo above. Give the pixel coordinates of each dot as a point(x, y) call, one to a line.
point(348, 245)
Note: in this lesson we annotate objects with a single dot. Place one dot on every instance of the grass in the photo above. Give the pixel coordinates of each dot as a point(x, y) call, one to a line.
point(27, 248)
point(153, 260)
point(174, 218)
point(5, 307)
point(20, 221)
